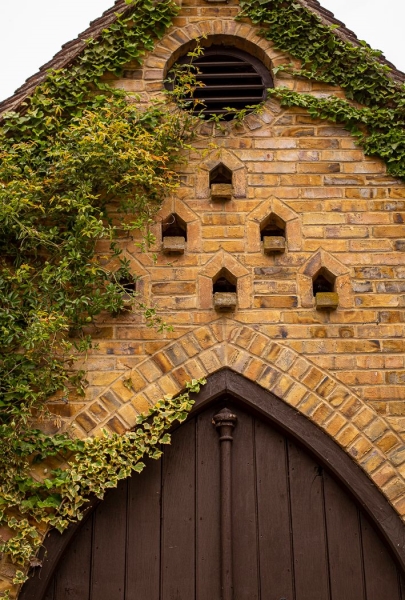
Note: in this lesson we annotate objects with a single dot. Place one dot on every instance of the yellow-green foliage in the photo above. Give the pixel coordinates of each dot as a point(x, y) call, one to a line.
point(95, 465)
point(76, 147)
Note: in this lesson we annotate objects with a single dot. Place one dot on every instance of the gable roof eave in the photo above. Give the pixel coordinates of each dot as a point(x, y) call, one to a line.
point(71, 50)
point(346, 34)
point(66, 55)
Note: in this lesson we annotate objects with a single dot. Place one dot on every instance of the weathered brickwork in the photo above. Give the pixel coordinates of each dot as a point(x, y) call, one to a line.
point(294, 378)
point(343, 368)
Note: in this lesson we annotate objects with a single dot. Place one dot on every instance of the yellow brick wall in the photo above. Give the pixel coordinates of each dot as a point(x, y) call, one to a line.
point(344, 369)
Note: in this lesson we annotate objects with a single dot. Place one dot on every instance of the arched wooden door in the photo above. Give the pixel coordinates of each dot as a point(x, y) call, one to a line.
point(237, 510)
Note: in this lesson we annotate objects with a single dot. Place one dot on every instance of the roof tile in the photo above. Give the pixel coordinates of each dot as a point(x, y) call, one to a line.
point(71, 50)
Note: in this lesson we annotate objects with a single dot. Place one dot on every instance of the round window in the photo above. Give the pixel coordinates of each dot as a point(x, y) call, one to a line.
point(227, 78)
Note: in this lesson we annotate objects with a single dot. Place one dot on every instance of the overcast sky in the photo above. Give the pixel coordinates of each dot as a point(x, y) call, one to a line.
point(32, 31)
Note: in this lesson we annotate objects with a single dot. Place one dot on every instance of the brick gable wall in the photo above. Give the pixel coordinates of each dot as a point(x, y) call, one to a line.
point(344, 368)
point(342, 212)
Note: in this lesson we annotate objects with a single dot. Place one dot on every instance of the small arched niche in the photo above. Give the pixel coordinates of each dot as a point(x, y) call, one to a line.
point(224, 290)
point(324, 289)
point(273, 234)
point(128, 285)
point(128, 291)
point(221, 183)
point(174, 234)
point(221, 174)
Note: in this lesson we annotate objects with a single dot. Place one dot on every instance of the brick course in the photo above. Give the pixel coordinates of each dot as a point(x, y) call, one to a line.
point(341, 213)
point(343, 369)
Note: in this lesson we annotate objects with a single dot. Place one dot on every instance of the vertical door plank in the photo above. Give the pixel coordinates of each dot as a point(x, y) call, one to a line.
point(275, 543)
point(109, 541)
point(178, 516)
point(245, 542)
point(143, 544)
point(50, 591)
point(308, 526)
point(381, 574)
point(72, 580)
point(208, 559)
point(344, 543)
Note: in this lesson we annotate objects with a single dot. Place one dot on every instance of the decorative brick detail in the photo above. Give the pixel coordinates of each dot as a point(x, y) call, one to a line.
point(223, 260)
point(136, 269)
point(357, 428)
point(273, 206)
point(323, 259)
point(175, 205)
point(229, 160)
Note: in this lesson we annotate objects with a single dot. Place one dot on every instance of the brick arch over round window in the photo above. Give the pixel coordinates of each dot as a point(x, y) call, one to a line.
point(224, 34)
point(356, 427)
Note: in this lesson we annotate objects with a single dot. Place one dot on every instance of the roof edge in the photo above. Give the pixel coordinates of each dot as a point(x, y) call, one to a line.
point(70, 51)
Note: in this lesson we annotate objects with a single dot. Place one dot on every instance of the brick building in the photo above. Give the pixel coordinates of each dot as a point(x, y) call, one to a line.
point(279, 261)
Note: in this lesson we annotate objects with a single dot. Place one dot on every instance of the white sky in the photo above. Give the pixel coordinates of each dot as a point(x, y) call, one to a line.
point(32, 31)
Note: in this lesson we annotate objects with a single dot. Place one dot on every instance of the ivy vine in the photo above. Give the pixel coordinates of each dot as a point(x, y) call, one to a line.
point(92, 467)
point(379, 124)
point(67, 92)
point(76, 155)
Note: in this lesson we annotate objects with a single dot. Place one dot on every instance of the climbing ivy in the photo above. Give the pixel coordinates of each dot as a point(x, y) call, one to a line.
point(325, 57)
point(79, 164)
point(378, 131)
point(93, 466)
point(74, 155)
point(67, 92)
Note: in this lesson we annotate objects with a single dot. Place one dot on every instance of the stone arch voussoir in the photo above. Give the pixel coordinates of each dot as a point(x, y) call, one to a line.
point(179, 40)
point(356, 427)
point(244, 36)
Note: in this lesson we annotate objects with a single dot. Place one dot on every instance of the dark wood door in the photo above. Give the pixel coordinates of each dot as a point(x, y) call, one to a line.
point(295, 532)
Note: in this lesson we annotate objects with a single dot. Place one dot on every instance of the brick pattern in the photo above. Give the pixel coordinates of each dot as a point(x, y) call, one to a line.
point(359, 429)
point(343, 369)
point(341, 211)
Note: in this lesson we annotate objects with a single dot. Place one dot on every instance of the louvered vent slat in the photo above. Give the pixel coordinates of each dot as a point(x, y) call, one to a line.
point(244, 81)
point(236, 87)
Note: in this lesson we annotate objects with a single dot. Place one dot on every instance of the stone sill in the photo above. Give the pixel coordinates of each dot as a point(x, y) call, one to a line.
point(328, 300)
point(225, 301)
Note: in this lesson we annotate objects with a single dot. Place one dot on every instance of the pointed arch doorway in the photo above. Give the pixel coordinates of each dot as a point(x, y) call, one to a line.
point(250, 502)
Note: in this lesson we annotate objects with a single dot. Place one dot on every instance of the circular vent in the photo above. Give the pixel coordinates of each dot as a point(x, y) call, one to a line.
point(230, 78)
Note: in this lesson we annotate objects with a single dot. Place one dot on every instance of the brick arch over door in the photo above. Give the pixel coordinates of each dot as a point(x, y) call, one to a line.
point(346, 418)
point(303, 517)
